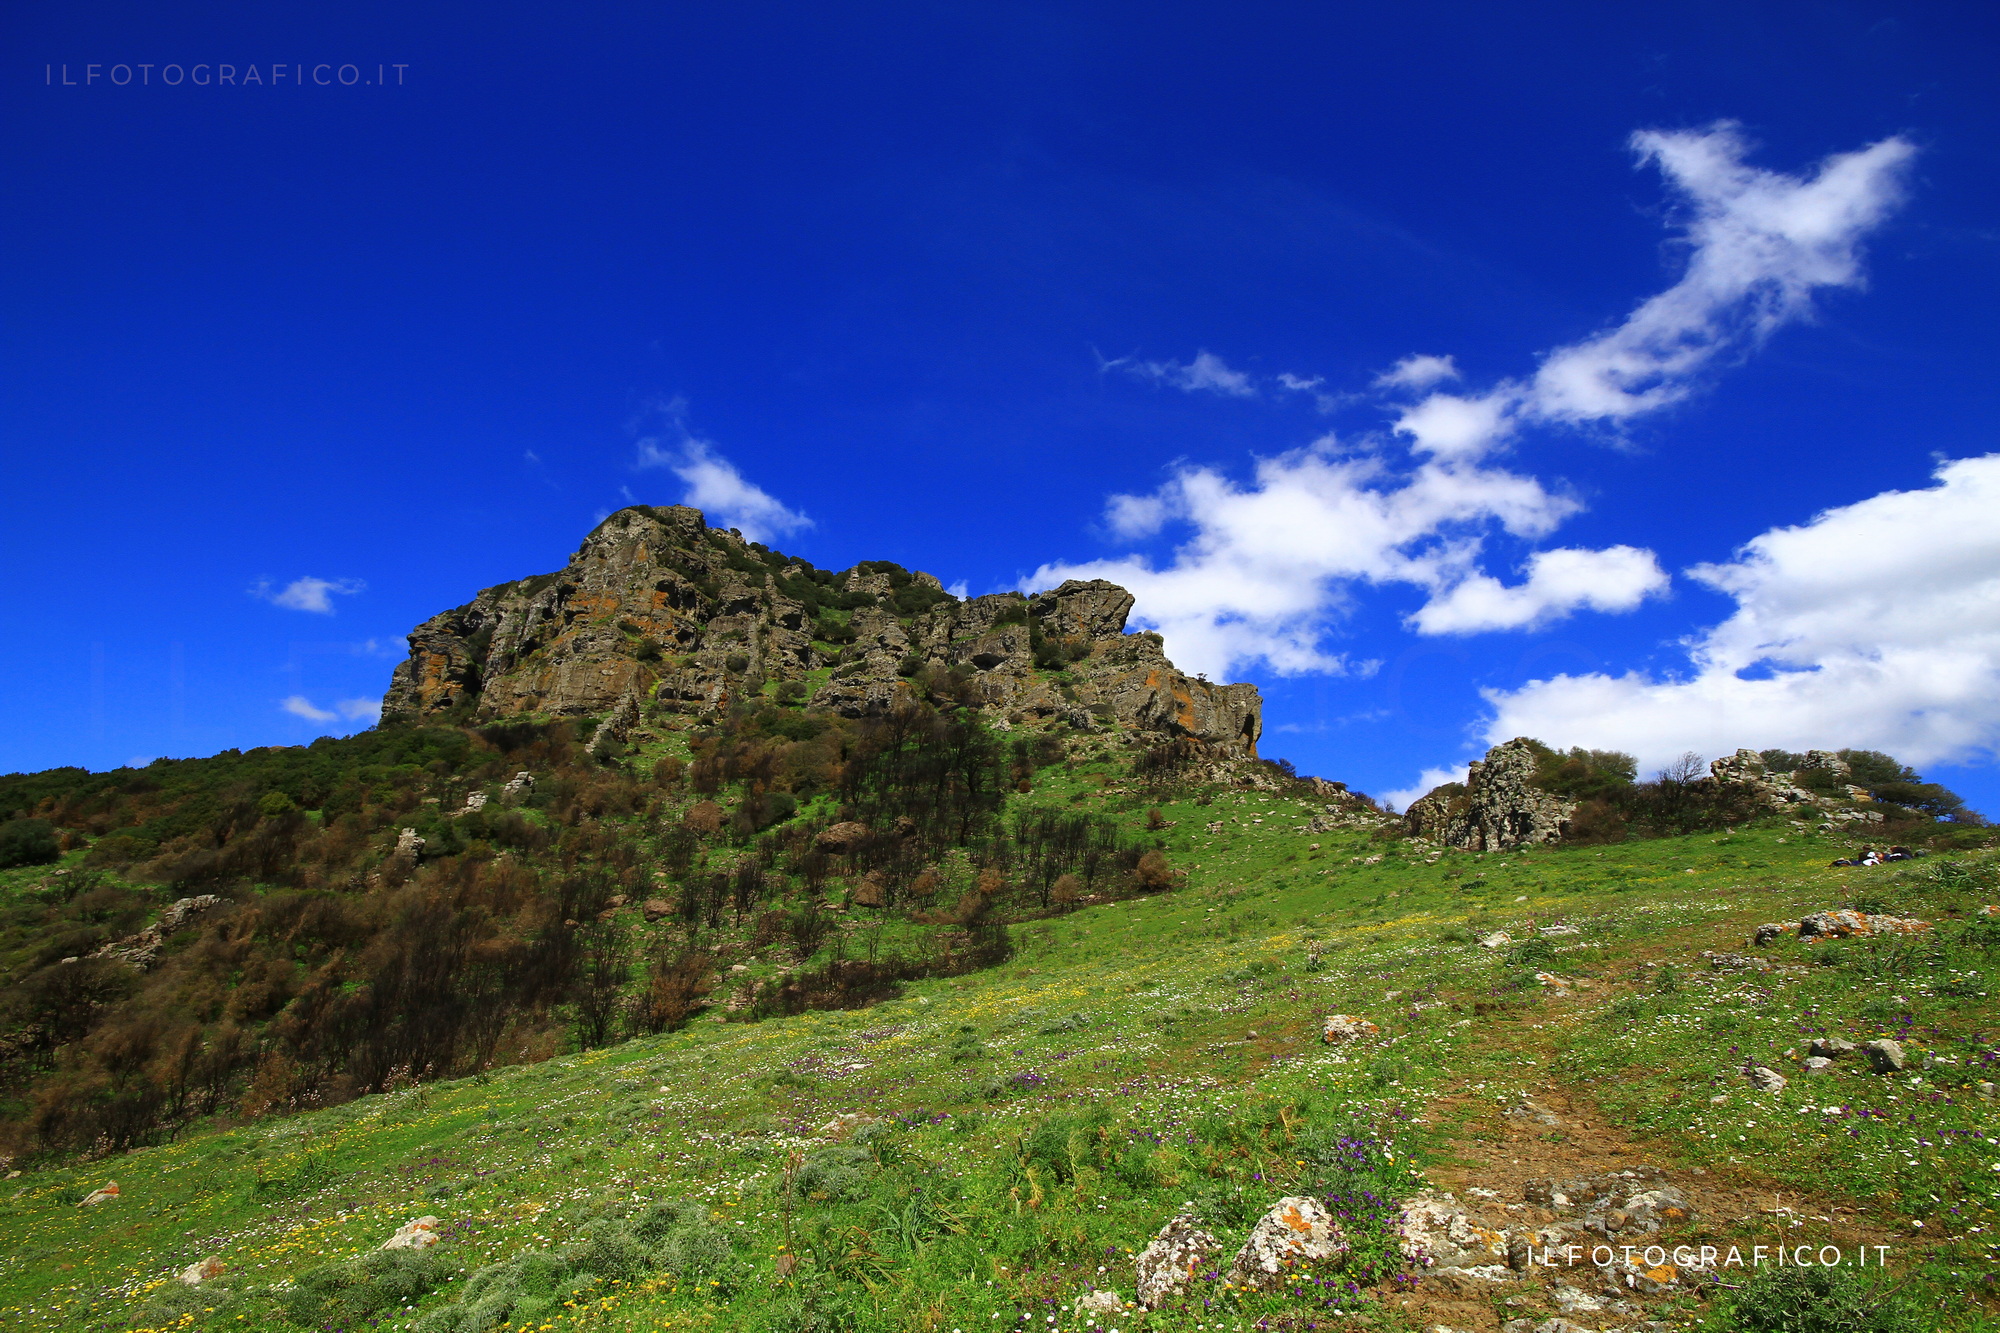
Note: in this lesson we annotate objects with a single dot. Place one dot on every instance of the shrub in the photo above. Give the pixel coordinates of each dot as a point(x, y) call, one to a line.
point(1821, 1300)
point(27, 842)
point(350, 1293)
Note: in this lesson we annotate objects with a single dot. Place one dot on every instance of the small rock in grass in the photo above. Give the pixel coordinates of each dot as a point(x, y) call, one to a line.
point(110, 1191)
point(418, 1235)
point(1495, 940)
point(1100, 1302)
point(1769, 931)
point(1831, 1048)
point(1818, 1064)
point(1343, 1028)
point(1767, 1080)
point(196, 1274)
point(1886, 1056)
point(1175, 1256)
point(1296, 1230)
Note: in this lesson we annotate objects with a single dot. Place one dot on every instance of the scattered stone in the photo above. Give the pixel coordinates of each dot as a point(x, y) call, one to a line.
point(519, 788)
point(1986, 1089)
point(143, 949)
point(1296, 1230)
point(1830, 1048)
point(408, 845)
point(1846, 921)
point(1551, 932)
point(1495, 940)
point(196, 1274)
point(847, 1122)
point(1767, 1080)
point(1174, 1258)
point(1100, 1302)
point(474, 802)
point(655, 908)
point(1732, 962)
point(418, 1235)
point(1343, 1028)
point(1437, 1233)
point(1770, 931)
point(872, 891)
point(843, 838)
point(110, 1191)
point(1818, 1064)
point(1886, 1056)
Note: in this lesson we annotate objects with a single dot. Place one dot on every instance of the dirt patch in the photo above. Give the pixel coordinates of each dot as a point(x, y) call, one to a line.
point(1549, 1168)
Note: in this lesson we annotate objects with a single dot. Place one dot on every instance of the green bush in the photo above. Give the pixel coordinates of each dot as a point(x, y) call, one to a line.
point(352, 1292)
point(1820, 1300)
point(27, 842)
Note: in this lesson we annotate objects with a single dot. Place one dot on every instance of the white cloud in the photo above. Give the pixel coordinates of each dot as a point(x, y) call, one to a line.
point(1260, 578)
point(1418, 372)
point(1429, 780)
point(1268, 566)
point(1559, 583)
point(1875, 625)
point(300, 706)
point(1760, 243)
point(308, 594)
point(359, 710)
point(724, 495)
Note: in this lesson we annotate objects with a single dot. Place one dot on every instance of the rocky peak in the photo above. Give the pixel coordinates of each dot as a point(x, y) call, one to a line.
point(1496, 807)
point(658, 610)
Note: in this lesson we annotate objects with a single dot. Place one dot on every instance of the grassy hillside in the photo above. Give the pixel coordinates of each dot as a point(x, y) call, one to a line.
point(982, 1150)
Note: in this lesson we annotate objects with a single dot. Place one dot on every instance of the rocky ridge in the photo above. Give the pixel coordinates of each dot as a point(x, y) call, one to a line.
point(657, 609)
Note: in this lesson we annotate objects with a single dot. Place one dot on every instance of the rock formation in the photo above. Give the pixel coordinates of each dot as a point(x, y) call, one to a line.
point(1497, 807)
point(658, 609)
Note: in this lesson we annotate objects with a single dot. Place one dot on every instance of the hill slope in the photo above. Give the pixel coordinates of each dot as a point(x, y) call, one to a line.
point(986, 1150)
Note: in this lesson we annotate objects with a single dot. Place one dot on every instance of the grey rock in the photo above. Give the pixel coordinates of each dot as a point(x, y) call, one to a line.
point(1767, 1080)
point(1817, 1064)
point(1830, 1048)
point(1771, 930)
point(1496, 807)
point(1885, 1056)
point(1180, 1253)
point(1295, 1231)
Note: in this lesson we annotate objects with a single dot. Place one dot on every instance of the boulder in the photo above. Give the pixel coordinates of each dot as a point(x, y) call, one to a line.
point(1497, 806)
point(1830, 1048)
point(1496, 940)
point(1296, 1230)
point(1885, 1056)
point(418, 1235)
point(1817, 1064)
point(1746, 772)
point(1340, 1029)
point(519, 788)
point(1437, 1233)
point(408, 845)
point(656, 908)
point(1769, 931)
point(1846, 921)
point(105, 1195)
point(1181, 1252)
point(197, 1273)
point(872, 891)
point(843, 838)
point(143, 949)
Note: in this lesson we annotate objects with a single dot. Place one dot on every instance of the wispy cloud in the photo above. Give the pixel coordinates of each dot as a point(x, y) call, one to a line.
point(1207, 373)
point(308, 593)
point(714, 485)
point(354, 710)
point(1268, 567)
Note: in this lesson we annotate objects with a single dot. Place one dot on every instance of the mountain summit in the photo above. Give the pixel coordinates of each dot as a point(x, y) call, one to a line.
point(657, 608)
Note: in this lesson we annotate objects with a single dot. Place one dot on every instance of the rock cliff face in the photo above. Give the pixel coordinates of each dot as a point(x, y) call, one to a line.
point(1496, 807)
point(657, 608)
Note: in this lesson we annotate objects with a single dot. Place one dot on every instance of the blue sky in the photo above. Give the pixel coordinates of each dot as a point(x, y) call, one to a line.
point(1621, 376)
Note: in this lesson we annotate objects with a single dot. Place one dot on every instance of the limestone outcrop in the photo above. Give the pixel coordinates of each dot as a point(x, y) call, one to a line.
point(1496, 807)
point(657, 609)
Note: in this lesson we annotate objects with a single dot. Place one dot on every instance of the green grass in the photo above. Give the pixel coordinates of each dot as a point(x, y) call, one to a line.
point(1028, 1126)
